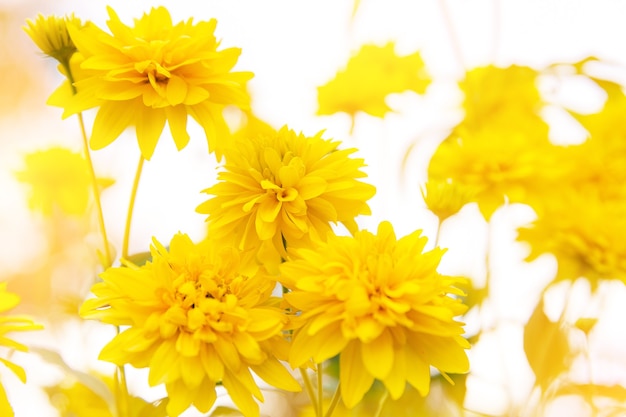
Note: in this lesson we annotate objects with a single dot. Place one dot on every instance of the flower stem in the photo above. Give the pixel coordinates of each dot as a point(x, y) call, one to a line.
point(131, 206)
point(334, 401)
point(108, 259)
point(381, 403)
point(320, 390)
point(121, 391)
point(308, 386)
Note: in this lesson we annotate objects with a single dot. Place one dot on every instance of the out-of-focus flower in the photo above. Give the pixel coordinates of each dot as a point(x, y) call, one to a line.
point(50, 34)
point(498, 165)
point(8, 324)
point(446, 198)
point(59, 178)
point(379, 303)
point(198, 315)
point(152, 73)
point(285, 189)
point(369, 77)
point(503, 97)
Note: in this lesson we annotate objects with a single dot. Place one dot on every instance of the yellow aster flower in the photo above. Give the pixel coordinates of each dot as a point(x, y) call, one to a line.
point(369, 77)
point(152, 73)
point(59, 178)
point(8, 324)
point(198, 315)
point(285, 188)
point(50, 34)
point(379, 303)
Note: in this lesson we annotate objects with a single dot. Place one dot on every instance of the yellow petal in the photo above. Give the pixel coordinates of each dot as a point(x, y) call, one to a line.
point(378, 355)
point(355, 380)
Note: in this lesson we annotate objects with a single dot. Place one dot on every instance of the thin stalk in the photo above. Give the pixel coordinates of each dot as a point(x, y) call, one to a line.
point(454, 40)
point(308, 386)
point(381, 403)
point(121, 389)
point(320, 390)
point(131, 207)
point(92, 172)
point(334, 401)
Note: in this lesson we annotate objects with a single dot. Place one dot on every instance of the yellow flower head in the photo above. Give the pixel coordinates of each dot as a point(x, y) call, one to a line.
point(8, 301)
point(445, 198)
point(502, 97)
point(59, 178)
point(379, 303)
point(152, 73)
point(198, 315)
point(50, 34)
point(369, 77)
point(285, 188)
point(498, 165)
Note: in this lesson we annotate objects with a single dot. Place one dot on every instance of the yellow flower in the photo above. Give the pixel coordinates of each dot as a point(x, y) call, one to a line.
point(198, 315)
point(50, 34)
point(445, 198)
point(369, 77)
point(59, 178)
point(379, 304)
point(152, 73)
point(8, 301)
point(285, 189)
point(503, 97)
point(498, 165)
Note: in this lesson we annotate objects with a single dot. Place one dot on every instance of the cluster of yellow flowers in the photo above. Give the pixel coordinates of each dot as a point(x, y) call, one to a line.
point(286, 285)
point(205, 315)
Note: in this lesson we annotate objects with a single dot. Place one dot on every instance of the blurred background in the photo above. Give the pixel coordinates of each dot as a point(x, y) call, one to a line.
point(294, 47)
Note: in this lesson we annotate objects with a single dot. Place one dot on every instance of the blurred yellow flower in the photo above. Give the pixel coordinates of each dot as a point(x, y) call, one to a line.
point(285, 189)
point(8, 324)
point(50, 34)
point(198, 315)
point(58, 179)
point(152, 73)
point(369, 77)
point(445, 198)
point(498, 165)
point(380, 304)
point(503, 97)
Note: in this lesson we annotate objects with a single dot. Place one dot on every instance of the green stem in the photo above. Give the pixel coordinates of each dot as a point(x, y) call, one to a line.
point(381, 404)
point(121, 389)
point(320, 390)
point(131, 206)
point(108, 260)
point(334, 401)
point(308, 386)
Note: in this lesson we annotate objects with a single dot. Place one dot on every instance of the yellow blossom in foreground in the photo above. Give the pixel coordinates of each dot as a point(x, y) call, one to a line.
point(59, 178)
point(8, 324)
point(369, 77)
point(152, 73)
point(379, 303)
point(198, 315)
point(285, 188)
point(50, 34)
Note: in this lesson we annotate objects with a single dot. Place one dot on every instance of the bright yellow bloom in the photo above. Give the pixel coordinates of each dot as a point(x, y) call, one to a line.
point(8, 301)
point(50, 34)
point(379, 304)
point(285, 188)
point(445, 198)
point(369, 77)
point(152, 73)
point(59, 178)
point(197, 315)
